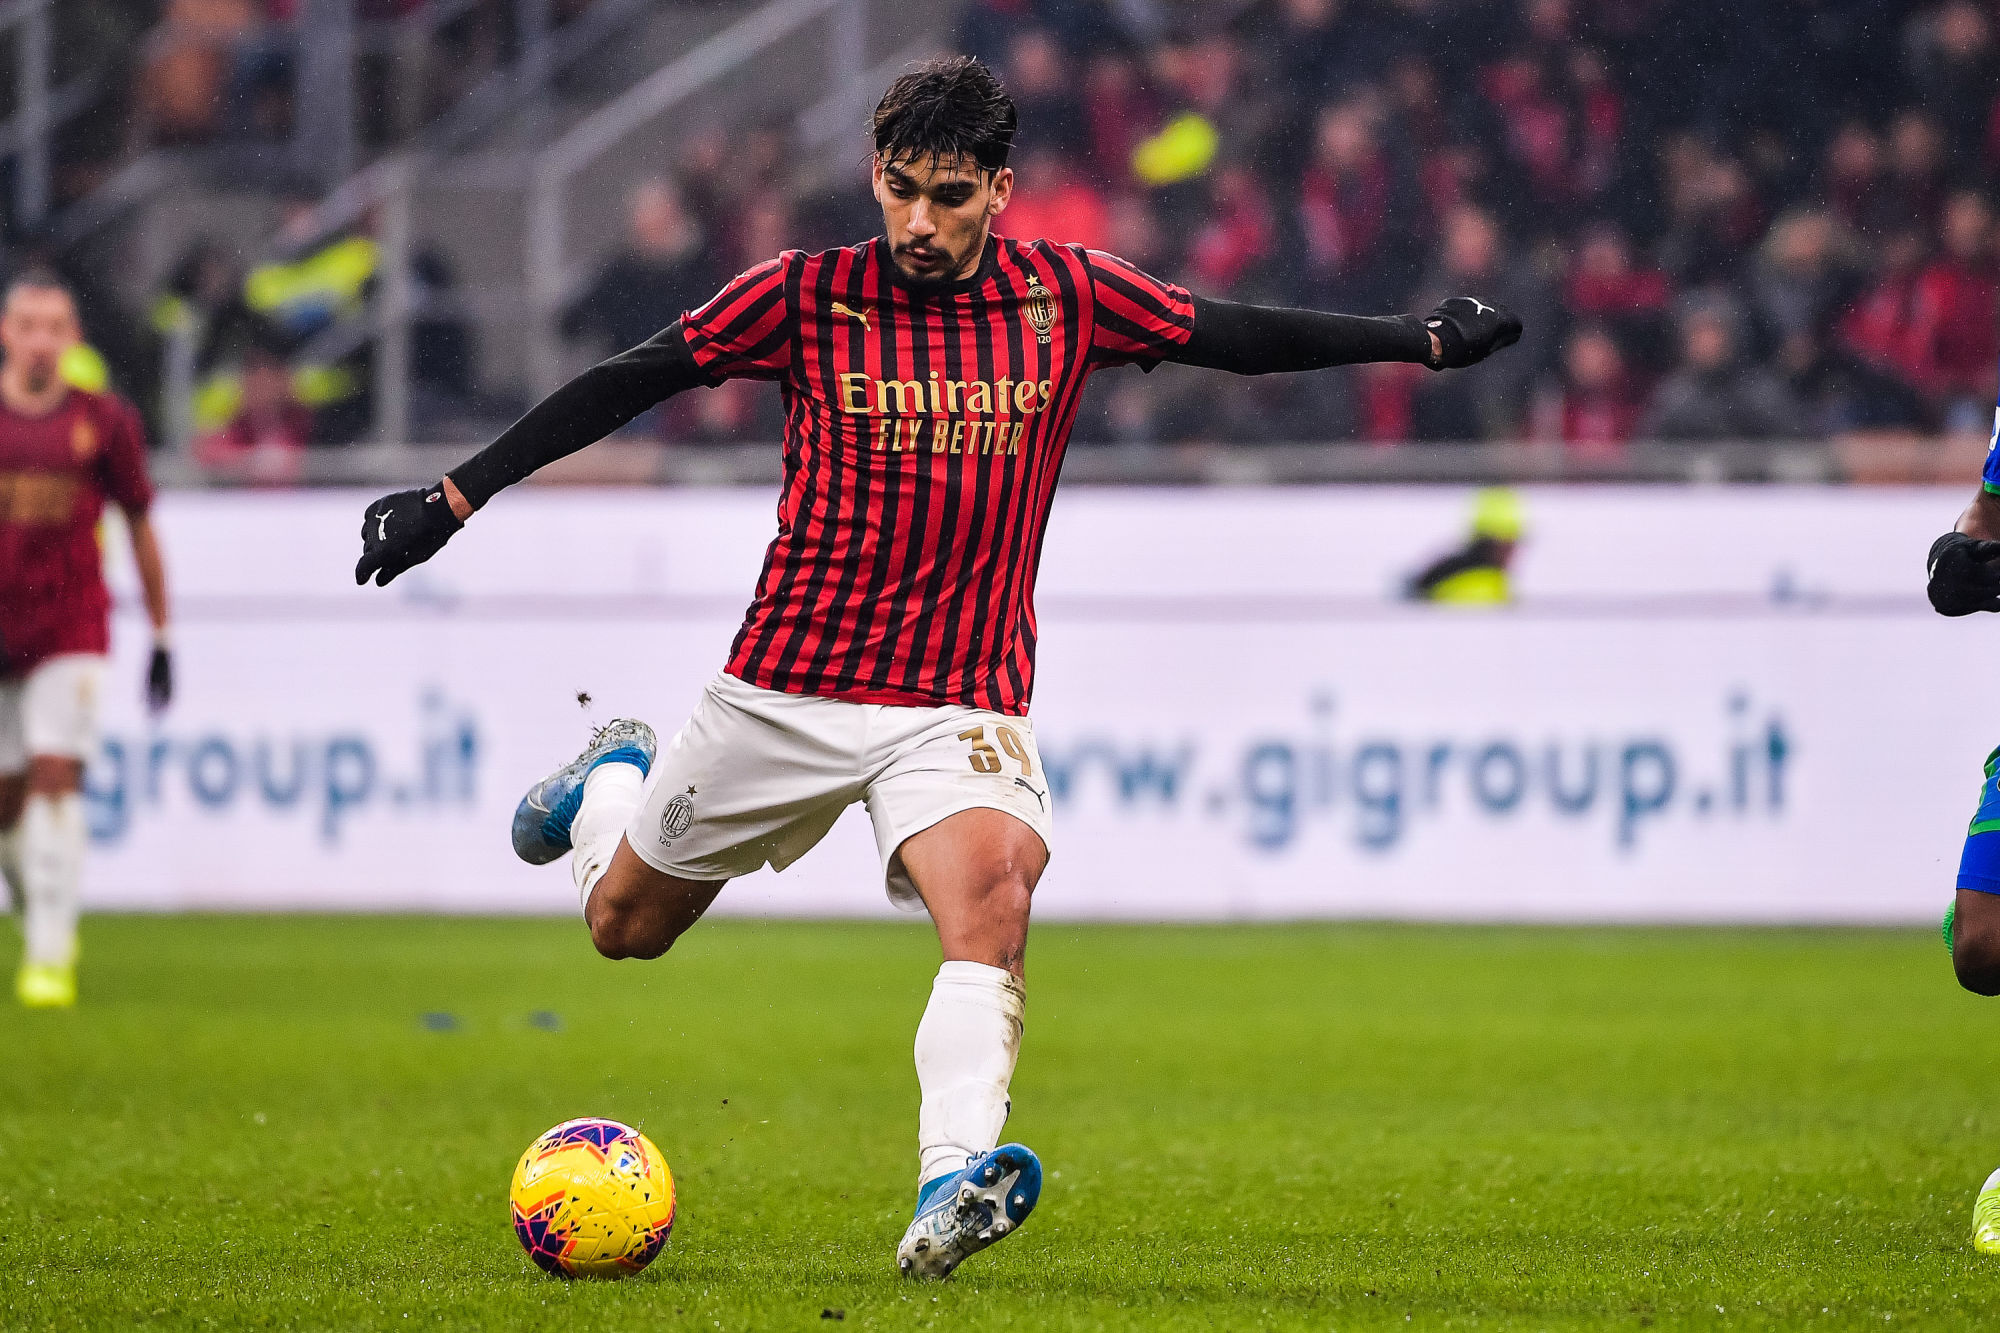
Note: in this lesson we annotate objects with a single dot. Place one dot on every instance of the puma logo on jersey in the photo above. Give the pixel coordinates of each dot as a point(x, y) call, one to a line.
point(861, 316)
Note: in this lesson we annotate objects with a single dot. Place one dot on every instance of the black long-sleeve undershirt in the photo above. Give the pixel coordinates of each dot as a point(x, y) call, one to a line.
point(1263, 340)
point(582, 412)
point(1240, 339)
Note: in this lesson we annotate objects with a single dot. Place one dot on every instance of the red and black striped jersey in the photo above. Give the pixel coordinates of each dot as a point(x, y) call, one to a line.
point(923, 434)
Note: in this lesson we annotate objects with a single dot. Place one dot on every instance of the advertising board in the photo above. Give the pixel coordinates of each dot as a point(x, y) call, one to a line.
point(1706, 705)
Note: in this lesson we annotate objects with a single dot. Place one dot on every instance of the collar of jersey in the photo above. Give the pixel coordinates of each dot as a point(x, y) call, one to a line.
point(70, 391)
point(989, 262)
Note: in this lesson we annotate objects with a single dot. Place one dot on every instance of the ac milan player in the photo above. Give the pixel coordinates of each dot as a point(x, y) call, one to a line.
point(930, 380)
point(63, 454)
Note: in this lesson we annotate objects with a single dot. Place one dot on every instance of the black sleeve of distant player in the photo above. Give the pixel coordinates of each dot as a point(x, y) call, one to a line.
point(582, 412)
point(1263, 340)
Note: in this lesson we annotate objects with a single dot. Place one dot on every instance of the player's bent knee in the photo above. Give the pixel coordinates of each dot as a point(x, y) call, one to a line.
point(624, 931)
point(636, 912)
point(615, 938)
point(1975, 957)
point(1977, 964)
point(1011, 891)
point(1975, 942)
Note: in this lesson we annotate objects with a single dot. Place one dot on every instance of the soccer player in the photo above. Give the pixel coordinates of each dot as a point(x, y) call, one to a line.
point(63, 453)
point(1965, 577)
point(930, 379)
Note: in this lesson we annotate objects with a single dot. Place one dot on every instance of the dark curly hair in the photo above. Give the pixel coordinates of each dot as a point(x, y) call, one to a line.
point(953, 109)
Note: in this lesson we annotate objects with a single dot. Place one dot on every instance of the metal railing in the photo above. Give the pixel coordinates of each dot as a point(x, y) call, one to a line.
point(628, 461)
point(33, 25)
point(550, 278)
point(40, 108)
point(545, 53)
point(402, 38)
point(385, 186)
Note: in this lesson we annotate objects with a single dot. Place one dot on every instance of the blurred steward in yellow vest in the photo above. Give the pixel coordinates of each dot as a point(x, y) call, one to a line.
point(297, 298)
point(1476, 573)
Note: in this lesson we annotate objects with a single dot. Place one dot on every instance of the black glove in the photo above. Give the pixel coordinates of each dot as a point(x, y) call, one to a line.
point(1964, 575)
point(160, 679)
point(1469, 331)
point(402, 530)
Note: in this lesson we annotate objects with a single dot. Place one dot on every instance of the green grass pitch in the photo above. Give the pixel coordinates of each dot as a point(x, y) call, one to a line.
point(264, 1123)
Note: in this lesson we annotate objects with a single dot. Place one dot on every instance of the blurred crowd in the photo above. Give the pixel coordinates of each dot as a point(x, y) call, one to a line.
point(181, 73)
point(228, 70)
point(279, 355)
point(1758, 220)
point(260, 336)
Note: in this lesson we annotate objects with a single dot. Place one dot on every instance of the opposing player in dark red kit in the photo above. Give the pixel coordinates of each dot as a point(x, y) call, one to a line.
point(64, 454)
point(930, 377)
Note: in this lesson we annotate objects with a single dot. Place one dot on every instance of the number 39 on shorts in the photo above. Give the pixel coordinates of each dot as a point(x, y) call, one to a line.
point(985, 759)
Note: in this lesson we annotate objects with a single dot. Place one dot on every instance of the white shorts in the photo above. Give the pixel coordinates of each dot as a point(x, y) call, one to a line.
point(757, 777)
point(50, 711)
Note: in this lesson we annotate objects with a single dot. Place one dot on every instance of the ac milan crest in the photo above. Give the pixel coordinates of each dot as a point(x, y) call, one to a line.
point(1040, 308)
point(678, 817)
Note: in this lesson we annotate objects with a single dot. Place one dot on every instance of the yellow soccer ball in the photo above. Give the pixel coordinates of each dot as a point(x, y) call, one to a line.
point(592, 1198)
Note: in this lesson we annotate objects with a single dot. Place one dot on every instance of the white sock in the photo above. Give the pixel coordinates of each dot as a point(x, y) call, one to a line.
point(966, 1047)
point(52, 839)
point(10, 862)
point(611, 796)
point(1991, 1181)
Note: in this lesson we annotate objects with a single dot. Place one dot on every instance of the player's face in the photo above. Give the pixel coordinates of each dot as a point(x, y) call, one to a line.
point(937, 215)
point(37, 326)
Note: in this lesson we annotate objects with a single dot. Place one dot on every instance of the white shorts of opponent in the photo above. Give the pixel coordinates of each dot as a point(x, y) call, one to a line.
point(757, 777)
point(50, 711)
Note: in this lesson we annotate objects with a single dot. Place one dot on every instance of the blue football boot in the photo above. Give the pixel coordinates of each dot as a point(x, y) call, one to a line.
point(542, 819)
point(962, 1213)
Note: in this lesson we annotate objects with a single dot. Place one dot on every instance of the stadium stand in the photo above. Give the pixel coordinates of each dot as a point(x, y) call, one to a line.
point(1775, 225)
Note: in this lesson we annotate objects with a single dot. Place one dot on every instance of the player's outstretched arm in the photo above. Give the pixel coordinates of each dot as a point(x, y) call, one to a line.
point(1262, 340)
point(409, 527)
point(153, 584)
point(1964, 564)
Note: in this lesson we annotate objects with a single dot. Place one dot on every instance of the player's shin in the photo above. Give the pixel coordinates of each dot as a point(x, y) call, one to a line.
point(10, 863)
point(52, 837)
point(611, 796)
point(967, 1043)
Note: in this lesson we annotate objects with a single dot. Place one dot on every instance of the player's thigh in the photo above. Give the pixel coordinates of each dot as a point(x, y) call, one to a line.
point(638, 911)
point(950, 761)
point(961, 816)
point(58, 717)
